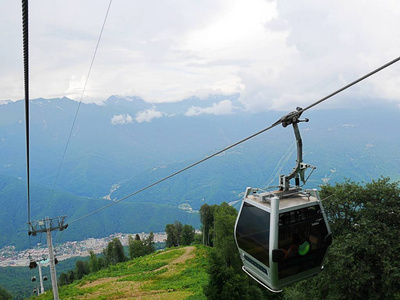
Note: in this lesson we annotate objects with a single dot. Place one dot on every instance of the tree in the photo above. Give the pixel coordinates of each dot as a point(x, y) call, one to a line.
point(114, 253)
point(81, 269)
point(102, 263)
point(178, 234)
point(93, 262)
point(206, 218)
point(363, 260)
point(130, 246)
point(225, 218)
point(136, 247)
point(172, 240)
point(178, 227)
point(227, 280)
point(71, 276)
point(198, 238)
point(149, 243)
point(62, 280)
point(230, 283)
point(343, 204)
point(139, 248)
point(4, 294)
point(188, 233)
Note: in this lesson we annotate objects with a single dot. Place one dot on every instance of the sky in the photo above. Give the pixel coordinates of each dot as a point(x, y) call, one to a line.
point(276, 54)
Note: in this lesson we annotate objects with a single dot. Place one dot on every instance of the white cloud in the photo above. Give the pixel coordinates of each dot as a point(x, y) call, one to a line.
point(332, 46)
point(148, 115)
point(121, 119)
point(277, 54)
point(223, 107)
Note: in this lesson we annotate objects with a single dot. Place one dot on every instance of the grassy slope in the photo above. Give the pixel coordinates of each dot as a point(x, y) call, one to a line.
point(177, 273)
point(17, 279)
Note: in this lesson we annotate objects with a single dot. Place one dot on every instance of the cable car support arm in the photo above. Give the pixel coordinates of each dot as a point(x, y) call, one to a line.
point(293, 118)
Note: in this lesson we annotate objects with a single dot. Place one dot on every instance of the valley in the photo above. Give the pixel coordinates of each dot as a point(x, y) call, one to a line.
point(10, 257)
point(109, 159)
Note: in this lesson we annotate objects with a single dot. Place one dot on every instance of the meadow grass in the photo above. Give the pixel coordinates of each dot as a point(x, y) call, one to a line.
point(160, 274)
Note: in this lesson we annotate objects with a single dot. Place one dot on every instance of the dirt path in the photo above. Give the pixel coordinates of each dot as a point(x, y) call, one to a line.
point(132, 289)
point(181, 259)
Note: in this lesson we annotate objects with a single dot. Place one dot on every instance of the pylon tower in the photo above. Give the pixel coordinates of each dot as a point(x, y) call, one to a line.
point(48, 225)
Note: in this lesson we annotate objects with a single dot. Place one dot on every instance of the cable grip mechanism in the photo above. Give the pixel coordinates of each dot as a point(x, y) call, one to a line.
point(298, 172)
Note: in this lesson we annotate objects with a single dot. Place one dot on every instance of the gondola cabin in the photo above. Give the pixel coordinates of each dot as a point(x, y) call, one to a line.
point(282, 239)
point(283, 235)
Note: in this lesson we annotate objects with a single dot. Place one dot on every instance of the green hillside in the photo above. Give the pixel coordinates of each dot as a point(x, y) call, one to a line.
point(178, 273)
point(17, 280)
point(136, 216)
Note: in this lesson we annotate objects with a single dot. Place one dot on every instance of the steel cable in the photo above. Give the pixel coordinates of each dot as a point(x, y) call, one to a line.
point(241, 141)
point(80, 101)
point(25, 28)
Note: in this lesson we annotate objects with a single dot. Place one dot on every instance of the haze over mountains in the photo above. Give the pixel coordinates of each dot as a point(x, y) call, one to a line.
point(124, 145)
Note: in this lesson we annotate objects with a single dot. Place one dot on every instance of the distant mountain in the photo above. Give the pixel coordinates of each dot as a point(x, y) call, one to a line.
point(107, 144)
point(126, 144)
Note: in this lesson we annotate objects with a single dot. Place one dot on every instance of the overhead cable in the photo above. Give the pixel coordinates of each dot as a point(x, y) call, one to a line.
point(299, 111)
point(80, 101)
point(351, 84)
point(25, 30)
point(176, 173)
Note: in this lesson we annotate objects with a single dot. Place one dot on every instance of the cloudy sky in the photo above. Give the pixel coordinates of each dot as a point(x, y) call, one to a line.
point(276, 54)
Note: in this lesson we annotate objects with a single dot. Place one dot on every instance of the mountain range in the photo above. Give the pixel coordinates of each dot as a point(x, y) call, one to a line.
point(126, 144)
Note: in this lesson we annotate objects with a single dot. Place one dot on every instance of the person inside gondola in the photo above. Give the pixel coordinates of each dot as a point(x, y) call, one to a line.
point(293, 248)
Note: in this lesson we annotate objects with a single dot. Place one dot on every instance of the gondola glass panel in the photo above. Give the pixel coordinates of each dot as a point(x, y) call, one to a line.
point(252, 234)
point(302, 236)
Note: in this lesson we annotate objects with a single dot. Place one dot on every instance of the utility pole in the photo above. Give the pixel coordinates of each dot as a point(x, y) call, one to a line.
point(48, 225)
point(41, 279)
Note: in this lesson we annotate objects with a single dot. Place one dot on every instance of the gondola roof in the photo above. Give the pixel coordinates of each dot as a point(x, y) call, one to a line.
point(296, 199)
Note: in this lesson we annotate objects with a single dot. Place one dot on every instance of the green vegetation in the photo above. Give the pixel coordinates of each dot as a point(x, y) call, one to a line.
point(178, 234)
point(142, 216)
point(362, 262)
point(138, 248)
point(17, 280)
point(207, 221)
point(226, 279)
point(113, 254)
point(4, 294)
point(177, 273)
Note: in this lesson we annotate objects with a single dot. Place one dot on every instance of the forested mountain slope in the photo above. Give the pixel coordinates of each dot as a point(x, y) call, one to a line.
point(126, 144)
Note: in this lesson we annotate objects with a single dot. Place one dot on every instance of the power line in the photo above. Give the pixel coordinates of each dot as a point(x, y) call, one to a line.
point(282, 120)
point(80, 101)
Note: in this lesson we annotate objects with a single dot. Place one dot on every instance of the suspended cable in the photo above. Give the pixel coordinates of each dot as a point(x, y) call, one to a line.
point(176, 173)
point(80, 101)
point(26, 86)
point(282, 120)
point(351, 84)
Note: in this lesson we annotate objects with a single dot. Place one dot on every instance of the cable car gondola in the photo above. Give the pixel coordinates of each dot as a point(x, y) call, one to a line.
point(32, 263)
point(283, 235)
